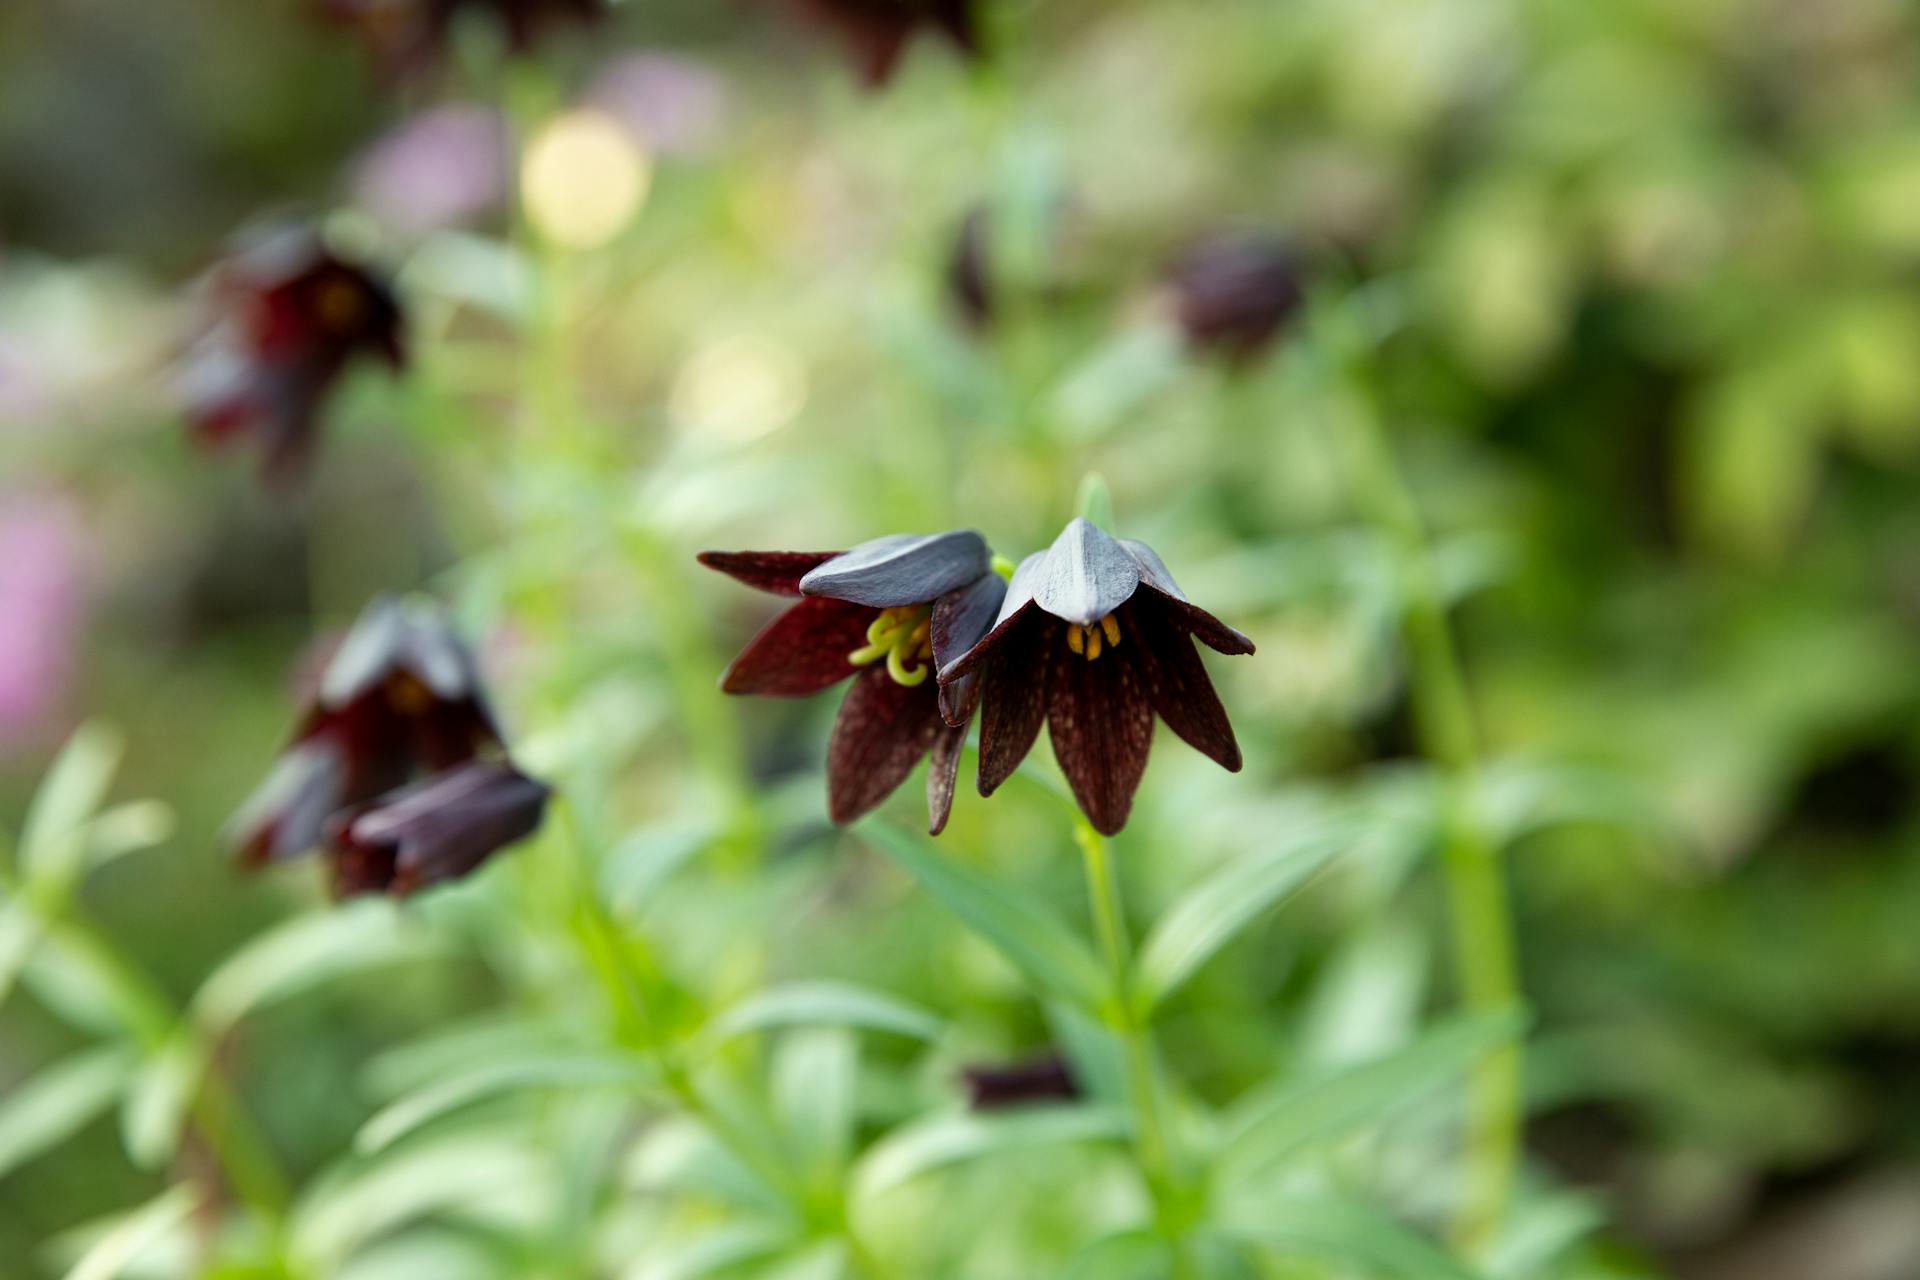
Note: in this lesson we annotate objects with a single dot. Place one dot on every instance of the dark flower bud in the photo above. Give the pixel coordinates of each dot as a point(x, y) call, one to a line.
point(877, 32)
point(287, 317)
point(399, 698)
point(435, 830)
point(969, 274)
point(1235, 293)
point(1043, 1079)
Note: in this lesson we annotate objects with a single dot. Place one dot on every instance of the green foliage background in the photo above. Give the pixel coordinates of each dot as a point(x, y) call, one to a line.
point(1630, 288)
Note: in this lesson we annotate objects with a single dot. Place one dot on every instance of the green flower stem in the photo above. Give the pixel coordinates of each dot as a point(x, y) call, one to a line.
point(1482, 925)
point(1145, 1088)
point(222, 1124)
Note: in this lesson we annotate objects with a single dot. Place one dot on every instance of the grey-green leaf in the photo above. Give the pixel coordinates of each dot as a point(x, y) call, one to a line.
point(826, 1003)
point(51, 1106)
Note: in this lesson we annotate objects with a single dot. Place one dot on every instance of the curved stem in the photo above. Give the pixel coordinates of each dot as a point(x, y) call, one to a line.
point(1146, 1089)
point(1481, 917)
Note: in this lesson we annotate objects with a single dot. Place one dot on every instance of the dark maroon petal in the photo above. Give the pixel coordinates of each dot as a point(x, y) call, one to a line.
point(802, 651)
point(943, 770)
point(902, 569)
point(957, 19)
point(1043, 1079)
point(438, 829)
point(1101, 724)
point(288, 811)
point(1234, 293)
point(1154, 574)
point(960, 619)
point(1177, 684)
point(1018, 597)
point(883, 729)
point(1013, 696)
point(1086, 574)
point(969, 274)
point(776, 571)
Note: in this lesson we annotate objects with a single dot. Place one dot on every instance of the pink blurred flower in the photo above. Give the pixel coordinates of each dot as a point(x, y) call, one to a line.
point(673, 106)
point(435, 169)
point(42, 607)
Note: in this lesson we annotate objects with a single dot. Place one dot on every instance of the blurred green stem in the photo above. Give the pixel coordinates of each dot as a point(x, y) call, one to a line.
point(1482, 924)
point(1145, 1088)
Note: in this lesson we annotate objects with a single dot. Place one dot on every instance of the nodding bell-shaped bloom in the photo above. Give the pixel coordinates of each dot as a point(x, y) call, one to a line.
point(877, 32)
point(1234, 293)
point(409, 36)
point(438, 829)
point(287, 318)
point(887, 613)
point(1094, 638)
point(399, 699)
point(1047, 1078)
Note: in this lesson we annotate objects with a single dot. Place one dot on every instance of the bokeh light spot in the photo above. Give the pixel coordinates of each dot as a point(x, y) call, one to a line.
point(583, 179)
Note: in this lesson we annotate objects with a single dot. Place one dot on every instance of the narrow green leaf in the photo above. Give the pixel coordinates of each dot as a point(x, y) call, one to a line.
point(305, 952)
point(826, 1003)
point(1278, 1120)
point(51, 843)
point(1195, 928)
point(1342, 1231)
point(816, 1079)
point(578, 1070)
point(154, 1113)
point(1125, 1255)
point(1023, 928)
point(954, 1139)
point(48, 1108)
point(143, 1229)
point(711, 1254)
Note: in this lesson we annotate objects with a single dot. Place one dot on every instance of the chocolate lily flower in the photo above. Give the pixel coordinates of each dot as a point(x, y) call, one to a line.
point(877, 32)
point(288, 318)
point(1094, 638)
point(887, 613)
point(1047, 1078)
point(439, 829)
point(407, 36)
point(1234, 293)
point(400, 698)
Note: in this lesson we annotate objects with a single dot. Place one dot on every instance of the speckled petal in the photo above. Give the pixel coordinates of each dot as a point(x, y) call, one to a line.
point(1019, 597)
point(1086, 574)
point(902, 569)
point(960, 619)
point(943, 770)
point(802, 651)
point(883, 729)
point(1212, 632)
point(1101, 724)
point(1177, 684)
point(776, 571)
point(1013, 695)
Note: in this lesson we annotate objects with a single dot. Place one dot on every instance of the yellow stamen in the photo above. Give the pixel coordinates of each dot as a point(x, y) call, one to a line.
point(901, 635)
point(1093, 644)
point(1095, 638)
point(1076, 638)
point(1110, 627)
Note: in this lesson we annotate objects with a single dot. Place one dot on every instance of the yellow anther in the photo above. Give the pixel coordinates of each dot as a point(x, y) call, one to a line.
point(1110, 627)
point(1091, 640)
point(1093, 643)
point(900, 635)
point(1076, 638)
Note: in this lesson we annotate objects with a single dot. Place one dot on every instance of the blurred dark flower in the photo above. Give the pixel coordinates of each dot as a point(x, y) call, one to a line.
point(876, 32)
point(1042, 1079)
point(1235, 293)
point(439, 167)
point(288, 317)
point(888, 612)
point(438, 829)
point(400, 698)
point(42, 608)
point(969, 273)
point(672, 106)
point(1091, 595)
point(407, 36)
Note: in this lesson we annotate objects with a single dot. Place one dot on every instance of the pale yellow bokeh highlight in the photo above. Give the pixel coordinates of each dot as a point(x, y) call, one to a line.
point(582, 179)
point(738, 388)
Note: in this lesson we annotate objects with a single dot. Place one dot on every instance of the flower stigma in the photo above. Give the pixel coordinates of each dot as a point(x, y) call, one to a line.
point(1088, 641)
point(900, 635)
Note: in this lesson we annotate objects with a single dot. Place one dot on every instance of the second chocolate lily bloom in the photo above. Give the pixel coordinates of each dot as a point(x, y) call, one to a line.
point(887, 613)
point(1094, 638)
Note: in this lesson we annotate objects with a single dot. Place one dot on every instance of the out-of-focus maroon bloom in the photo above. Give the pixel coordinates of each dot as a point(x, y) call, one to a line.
point(876, 32)
point(1044, 1079)
point(438, 829)
point(399, 699)
point(969, 273)
point(1235, 293)
point(888, 612)
point(409, 36)
point(288, 317)
point(1094, 638)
